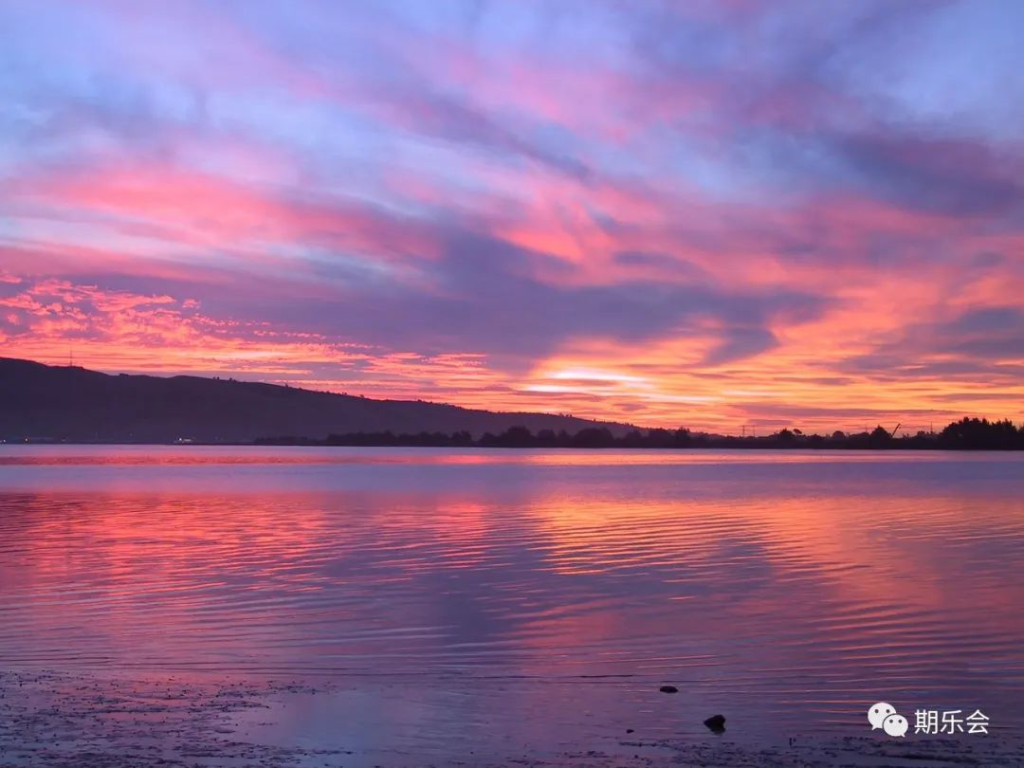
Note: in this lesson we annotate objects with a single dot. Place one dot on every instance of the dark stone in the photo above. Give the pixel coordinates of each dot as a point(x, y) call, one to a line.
point(668, 689)
point(629, 730)
point(716, 723)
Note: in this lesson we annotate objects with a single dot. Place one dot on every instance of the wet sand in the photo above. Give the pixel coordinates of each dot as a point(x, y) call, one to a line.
point(60, 720)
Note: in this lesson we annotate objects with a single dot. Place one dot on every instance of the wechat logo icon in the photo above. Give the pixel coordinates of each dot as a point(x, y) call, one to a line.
point(885, 716)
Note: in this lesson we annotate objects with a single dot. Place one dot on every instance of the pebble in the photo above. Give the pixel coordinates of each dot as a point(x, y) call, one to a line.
point(716, 723)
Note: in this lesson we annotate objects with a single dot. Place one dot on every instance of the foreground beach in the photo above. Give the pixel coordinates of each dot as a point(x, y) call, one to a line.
point(83, 721)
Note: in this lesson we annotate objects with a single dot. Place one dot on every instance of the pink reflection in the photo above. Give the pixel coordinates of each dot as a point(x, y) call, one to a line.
point(743, 577)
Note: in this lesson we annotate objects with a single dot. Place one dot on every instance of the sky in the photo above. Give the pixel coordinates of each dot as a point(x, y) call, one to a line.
point(731, 215)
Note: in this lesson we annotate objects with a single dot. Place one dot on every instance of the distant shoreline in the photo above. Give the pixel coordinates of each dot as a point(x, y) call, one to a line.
point(967, 434)
point(64, 405)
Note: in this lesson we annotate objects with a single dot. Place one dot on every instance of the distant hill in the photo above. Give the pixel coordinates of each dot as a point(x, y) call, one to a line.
point(75, 404)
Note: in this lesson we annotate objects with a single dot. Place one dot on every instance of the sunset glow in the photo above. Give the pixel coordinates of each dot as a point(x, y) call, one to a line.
point(722, 215)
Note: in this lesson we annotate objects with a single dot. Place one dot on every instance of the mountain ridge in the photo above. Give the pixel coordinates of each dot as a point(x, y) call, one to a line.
point(74, 404)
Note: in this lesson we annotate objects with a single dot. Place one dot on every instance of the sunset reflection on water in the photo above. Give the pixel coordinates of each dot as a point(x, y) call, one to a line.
point(786, 587)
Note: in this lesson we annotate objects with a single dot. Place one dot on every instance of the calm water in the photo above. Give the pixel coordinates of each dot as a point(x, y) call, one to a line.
point(543, 596)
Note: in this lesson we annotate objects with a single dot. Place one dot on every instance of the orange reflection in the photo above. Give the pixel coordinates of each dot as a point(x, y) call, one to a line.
point(752, 570)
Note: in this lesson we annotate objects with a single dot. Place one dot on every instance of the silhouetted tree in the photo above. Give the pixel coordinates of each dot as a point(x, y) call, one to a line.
point(980, 434)
point(515, 437)
point(660, 438)
point(633, 439)
point(593, 437)
point(547, 438)
point(880, 438)
point(785, 438)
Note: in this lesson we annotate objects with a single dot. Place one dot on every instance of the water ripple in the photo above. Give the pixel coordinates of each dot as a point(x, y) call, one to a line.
point(757, 578)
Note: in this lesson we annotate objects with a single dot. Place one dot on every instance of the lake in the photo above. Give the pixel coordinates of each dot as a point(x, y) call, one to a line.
point(525, 599)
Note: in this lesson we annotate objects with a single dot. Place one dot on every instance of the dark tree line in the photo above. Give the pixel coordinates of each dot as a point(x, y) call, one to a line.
point(965, 434)
point(982, 434)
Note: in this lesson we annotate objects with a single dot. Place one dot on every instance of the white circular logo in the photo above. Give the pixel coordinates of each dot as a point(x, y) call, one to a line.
point(878, 713)
point(895, 725)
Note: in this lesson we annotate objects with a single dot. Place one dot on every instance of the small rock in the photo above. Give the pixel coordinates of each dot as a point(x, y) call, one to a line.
point(716, 723)
point(668, 689)
point(629, 730)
